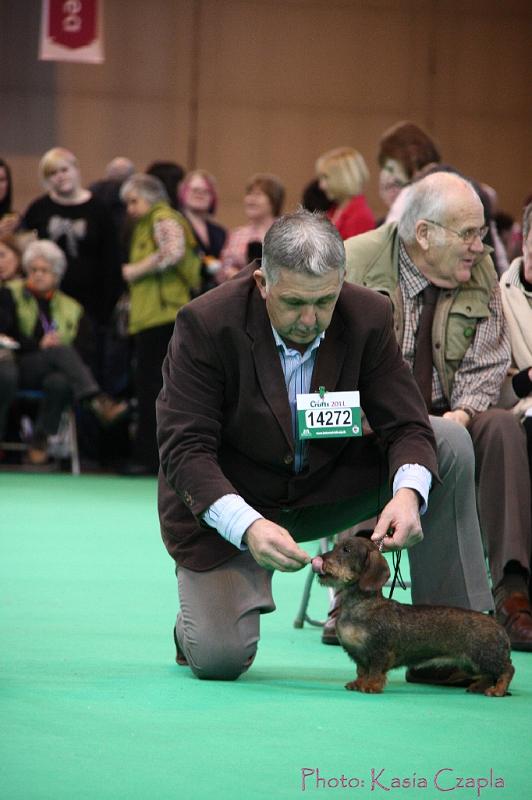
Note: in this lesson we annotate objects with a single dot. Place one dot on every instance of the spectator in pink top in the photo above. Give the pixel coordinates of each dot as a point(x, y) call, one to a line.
point(263, 202)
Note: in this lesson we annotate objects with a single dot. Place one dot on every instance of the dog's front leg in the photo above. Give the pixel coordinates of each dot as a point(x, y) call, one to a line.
point(368, 681)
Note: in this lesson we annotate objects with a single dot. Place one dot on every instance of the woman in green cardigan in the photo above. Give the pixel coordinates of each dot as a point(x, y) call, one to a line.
point(163, 268)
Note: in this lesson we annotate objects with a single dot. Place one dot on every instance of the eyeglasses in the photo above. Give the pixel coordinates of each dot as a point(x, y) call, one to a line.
point(468, 236)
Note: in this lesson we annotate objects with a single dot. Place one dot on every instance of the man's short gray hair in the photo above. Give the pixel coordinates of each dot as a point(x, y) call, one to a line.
point(147, 186)
point(47, 250)
point(428, 198)
point(302, 242)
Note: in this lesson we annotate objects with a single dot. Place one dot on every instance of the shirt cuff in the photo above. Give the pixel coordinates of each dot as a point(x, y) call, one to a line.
point(414, 476)
point(477, 403)
point(231, 516)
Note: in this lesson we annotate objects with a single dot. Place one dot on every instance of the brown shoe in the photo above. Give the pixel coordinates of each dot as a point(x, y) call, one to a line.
point(515, 614)
point(37, 457)
point(328, 635)
point(439, 676)
point(108, 410)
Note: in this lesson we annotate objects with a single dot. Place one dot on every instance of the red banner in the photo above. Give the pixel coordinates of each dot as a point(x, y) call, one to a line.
point(71, 30)
point(72, 23)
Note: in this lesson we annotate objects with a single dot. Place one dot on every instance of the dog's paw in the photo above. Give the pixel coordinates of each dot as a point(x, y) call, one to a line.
point(494, 691)
point(367, 687)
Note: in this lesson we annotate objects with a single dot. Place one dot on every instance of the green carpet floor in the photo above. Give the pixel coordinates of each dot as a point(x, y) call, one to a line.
point(93, 707)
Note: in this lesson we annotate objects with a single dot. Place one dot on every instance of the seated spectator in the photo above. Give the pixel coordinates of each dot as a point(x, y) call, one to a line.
point(488, 197)
point(47, 325)
point(405, 153)
point(263, 202)
point(509, 233)
point(314, 198)
point(10, 268)
point(198, 200)
point(451, 329)
point(82, 227)
point(389, 189)
point(516, 290)
point(342, 175)
point(170, 174)
point(9, 219)
point(163, 270)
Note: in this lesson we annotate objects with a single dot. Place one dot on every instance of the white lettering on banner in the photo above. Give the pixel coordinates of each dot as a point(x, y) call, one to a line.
point(72, 20)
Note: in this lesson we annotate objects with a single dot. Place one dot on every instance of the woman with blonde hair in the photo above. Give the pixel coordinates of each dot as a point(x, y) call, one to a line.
point(82, 227)
point(342, 175)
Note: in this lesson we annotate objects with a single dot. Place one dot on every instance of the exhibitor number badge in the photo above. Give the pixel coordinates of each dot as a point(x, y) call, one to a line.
point(329, 415)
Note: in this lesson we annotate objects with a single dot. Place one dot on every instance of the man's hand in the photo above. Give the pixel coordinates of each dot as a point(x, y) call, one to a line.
point(459, 416)
point(272, 547)
point(400, 519)
point(50, 339)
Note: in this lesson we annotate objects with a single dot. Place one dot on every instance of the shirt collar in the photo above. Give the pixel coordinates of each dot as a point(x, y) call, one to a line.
point(413, 281)
point(289, 350)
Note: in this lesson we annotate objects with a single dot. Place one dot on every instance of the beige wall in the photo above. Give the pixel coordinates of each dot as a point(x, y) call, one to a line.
point(239, 86)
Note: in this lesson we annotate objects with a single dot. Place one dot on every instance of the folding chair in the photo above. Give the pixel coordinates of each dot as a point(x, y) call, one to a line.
point(63, 445)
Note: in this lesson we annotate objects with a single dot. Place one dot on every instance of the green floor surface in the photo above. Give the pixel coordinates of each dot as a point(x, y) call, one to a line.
point(93, 707)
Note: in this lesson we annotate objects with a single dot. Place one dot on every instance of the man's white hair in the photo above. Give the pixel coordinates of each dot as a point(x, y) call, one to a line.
point(430, 198)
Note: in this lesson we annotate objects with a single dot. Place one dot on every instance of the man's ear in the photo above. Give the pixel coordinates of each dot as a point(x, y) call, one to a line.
point(260, 280)
point(422, 234)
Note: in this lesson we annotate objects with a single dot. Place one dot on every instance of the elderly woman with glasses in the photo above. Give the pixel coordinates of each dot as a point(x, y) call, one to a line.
point(163, 271)
point(199, 199)
point(48, 327)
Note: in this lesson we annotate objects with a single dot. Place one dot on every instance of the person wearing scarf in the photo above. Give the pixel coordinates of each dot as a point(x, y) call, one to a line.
point(516, 290)
point(49, 331)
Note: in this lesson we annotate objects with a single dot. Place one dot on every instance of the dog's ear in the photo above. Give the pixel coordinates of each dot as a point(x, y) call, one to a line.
point(376, 572)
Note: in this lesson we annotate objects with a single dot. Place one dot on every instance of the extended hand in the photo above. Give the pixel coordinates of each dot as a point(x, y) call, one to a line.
point(459, 416)
point(400, 519)
point(272, 547)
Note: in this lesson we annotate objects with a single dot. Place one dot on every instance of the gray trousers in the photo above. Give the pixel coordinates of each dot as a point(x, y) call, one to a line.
point(8, 388)
point(62, 376)
point(218, 626)
point(503, 489)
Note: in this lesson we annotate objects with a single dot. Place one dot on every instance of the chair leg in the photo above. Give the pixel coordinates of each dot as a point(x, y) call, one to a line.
point(73, 436)
point(302, 614)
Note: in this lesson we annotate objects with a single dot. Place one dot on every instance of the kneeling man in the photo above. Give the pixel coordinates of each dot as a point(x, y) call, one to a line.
point(248, 473)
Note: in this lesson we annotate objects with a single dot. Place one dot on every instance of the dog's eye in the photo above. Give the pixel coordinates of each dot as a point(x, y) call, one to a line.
point(346, 549)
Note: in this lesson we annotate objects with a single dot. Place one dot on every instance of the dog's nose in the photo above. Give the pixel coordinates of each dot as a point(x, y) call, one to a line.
point(317, 565)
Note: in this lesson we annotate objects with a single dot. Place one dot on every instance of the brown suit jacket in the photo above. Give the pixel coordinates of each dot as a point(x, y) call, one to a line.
point(224, 422)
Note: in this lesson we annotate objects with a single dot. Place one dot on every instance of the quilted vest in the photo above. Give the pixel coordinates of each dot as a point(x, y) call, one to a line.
point(64, 311)
point(373, 261)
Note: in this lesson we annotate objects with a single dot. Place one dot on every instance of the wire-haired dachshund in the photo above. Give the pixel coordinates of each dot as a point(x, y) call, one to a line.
point(380, 634)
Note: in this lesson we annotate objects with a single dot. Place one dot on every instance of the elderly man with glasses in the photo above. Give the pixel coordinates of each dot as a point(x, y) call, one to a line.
point(450, 325)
